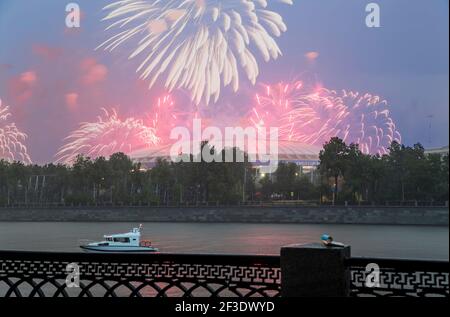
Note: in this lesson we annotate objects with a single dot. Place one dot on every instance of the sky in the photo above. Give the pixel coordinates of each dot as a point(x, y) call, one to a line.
point(53, 78)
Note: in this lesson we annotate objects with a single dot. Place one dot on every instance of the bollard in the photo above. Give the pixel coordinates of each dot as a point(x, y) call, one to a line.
point(314, 270)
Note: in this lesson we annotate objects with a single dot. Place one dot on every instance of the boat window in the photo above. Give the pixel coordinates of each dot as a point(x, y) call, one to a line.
point(123, 240)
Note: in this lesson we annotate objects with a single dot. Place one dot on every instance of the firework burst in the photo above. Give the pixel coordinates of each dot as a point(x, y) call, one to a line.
point(107, 136)
point(273, 103)
point(12, 147)
point(166, 116)
point(313, 115)
point(199, 45)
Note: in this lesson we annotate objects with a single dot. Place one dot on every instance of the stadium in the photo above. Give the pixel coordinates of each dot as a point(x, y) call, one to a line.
point(304, 155)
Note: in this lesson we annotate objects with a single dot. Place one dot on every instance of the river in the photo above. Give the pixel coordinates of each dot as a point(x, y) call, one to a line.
point(420, 242)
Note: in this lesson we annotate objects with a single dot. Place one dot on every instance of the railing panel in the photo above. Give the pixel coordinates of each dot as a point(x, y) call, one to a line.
point(37, 274)
point(25, 274)
point(399, 278)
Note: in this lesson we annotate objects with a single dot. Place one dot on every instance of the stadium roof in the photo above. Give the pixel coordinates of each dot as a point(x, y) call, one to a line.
point(287, 151)
point(441, 150)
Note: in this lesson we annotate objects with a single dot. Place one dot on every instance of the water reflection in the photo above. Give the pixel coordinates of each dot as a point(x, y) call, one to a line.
point(366, 240)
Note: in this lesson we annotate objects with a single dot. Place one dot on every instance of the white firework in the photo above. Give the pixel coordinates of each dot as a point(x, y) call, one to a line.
point(107, 136)
point(198, 45)
point(368, 122)
point(12, 147)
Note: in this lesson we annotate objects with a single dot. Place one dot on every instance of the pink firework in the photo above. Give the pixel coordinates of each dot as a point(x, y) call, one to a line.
point(107, 136)
point(313, 115)
point(272, 105)
point(12, 147)
point(166, 116)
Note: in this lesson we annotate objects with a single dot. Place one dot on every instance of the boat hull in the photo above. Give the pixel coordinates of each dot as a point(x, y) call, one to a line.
point(118, 249)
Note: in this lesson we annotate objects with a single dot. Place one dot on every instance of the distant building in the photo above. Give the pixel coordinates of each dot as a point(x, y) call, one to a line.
point(441, 150)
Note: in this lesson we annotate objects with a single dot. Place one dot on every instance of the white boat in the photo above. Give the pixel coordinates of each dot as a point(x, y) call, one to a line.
point(129, 242)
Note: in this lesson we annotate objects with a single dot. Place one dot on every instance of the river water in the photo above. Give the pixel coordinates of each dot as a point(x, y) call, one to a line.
point(421, 242)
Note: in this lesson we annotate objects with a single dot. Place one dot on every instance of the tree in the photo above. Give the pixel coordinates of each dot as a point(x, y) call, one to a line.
point(304, 189)
point(357, 173)
point(120, 167)
point(267, 187)
point(286, 176)
point(333, 160)
point(406, 173)
point(102, 178)
point(162, 176)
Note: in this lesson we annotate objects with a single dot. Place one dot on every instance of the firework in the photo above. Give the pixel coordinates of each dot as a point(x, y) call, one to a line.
point(166, 116)
point(274, 103)
point(12, 147)
point(163, 115)
point(107, 136)
point(199, 45)
point(313, 115)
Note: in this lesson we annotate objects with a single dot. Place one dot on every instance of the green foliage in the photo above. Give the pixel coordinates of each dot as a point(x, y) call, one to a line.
point(288, 183)
point(333, 160)
point(118, 180)
point(406, 173)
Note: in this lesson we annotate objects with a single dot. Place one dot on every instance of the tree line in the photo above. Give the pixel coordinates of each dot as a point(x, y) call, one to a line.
point(119, 180)
point(405, 174)
point(344, 174)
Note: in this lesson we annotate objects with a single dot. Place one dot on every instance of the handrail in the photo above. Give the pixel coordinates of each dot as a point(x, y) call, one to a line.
point(207, 258)
point(409, 265)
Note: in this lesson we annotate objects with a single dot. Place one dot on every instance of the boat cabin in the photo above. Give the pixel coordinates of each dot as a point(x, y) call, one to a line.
point(131, 238)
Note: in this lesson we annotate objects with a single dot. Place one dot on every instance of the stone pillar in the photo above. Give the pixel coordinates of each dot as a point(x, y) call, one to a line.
point(314, 270)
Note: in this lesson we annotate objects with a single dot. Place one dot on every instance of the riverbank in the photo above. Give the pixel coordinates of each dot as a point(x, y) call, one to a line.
point(431, 216)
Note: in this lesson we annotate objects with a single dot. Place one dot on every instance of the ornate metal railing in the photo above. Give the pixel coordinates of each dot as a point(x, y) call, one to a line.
point(403, 278)
point(29, 274)
point(45, 274)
